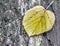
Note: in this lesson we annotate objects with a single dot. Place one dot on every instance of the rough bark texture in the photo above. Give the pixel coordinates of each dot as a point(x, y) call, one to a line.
point(11, 30)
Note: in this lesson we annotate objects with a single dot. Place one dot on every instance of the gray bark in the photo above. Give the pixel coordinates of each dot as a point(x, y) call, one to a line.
point(12, 32)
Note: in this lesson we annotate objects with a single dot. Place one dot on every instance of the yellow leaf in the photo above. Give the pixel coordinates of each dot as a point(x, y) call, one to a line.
point(38, 20)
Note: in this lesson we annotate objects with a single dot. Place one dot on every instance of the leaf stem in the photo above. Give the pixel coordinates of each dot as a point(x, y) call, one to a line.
point(50, 4)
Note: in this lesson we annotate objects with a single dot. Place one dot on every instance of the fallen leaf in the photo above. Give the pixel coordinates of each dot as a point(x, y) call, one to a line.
point(38, 20)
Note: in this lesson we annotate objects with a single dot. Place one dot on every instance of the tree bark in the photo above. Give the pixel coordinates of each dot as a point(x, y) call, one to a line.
point(12, 32)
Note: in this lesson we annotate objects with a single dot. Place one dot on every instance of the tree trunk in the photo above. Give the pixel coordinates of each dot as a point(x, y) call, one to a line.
point(12, 32)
